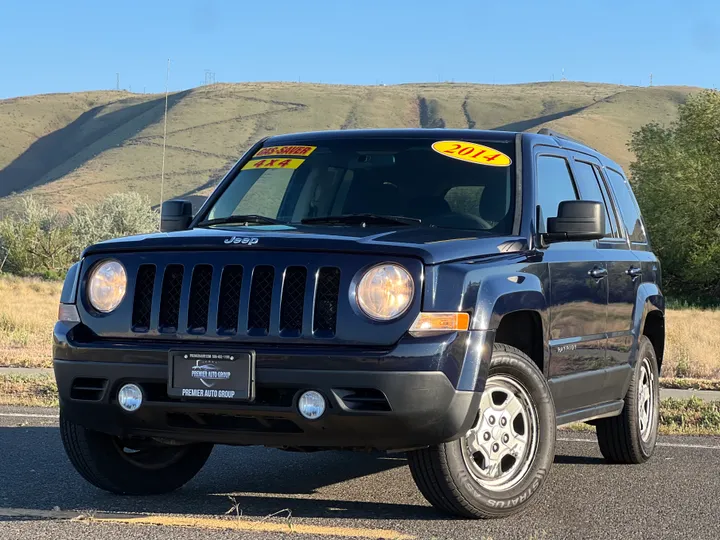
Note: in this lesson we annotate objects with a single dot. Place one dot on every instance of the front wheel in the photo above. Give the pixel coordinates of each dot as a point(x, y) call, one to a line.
point(496, 468)
point(130, 467)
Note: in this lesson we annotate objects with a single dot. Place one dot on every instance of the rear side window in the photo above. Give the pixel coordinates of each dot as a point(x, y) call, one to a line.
point(555, 185)
point(628, 206)
point(589, 188)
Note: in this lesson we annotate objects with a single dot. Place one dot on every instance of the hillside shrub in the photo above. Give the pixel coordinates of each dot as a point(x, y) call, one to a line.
point(36, 241)
point(40, 241)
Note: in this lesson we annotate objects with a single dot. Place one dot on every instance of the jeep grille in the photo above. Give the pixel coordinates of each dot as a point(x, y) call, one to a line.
point(296, 291)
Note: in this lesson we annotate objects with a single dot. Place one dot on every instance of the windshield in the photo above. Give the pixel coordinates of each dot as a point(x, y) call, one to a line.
point(448, 184)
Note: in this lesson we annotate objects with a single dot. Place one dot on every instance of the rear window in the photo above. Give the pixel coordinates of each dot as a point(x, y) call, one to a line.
point(629, 209)
point(470, 186)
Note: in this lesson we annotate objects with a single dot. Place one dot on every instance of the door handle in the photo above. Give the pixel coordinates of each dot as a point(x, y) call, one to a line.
point(598, 272)
point(634, 272)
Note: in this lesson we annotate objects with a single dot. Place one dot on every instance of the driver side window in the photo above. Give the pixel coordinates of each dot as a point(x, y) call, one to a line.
point(554, 185)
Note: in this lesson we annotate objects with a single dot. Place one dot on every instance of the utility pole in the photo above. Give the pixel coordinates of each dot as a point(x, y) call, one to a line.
point(651, 79)
point(117, 81)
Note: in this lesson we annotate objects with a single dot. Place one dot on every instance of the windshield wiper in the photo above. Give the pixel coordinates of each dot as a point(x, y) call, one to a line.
point(375, 219)
point(249, 219)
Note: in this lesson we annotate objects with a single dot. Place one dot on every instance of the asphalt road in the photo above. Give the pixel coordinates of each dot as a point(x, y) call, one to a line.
point(676, 495)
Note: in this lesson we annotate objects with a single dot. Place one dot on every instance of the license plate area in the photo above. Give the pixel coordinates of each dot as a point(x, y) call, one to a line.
point(215, 375)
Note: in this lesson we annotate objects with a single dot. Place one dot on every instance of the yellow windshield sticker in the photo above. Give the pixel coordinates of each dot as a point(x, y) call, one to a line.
point(285, 151)
point(472, 153)
point(275, 163)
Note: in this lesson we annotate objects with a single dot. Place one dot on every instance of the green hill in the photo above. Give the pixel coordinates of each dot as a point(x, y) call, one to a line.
point(70, 148)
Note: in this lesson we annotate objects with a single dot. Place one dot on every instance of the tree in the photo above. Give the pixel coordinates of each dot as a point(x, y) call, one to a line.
point(676, 177)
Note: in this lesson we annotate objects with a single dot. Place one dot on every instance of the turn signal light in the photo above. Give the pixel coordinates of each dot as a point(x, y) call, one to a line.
point(439, 323)
point(68, 313)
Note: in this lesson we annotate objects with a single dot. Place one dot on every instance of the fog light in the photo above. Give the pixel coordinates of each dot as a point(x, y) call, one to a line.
point(130, 397)
point(311, 405)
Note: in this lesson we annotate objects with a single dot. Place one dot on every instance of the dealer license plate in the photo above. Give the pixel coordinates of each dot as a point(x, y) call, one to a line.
point(212, 375)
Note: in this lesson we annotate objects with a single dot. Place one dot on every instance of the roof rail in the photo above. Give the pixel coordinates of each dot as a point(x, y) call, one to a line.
point(558, 135)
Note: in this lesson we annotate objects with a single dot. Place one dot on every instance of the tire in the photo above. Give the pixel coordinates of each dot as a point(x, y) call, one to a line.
point(148, 470)
point(455, 478)
point(624, 438)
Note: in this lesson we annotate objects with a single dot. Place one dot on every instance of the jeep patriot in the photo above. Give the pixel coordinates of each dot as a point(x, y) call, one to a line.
point(451, 294)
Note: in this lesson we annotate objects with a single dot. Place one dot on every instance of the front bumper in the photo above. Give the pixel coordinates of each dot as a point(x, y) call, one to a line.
point(400, 399)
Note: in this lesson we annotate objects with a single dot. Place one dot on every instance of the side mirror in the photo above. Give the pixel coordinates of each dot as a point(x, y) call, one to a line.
point(176, 215)
point(577, 220)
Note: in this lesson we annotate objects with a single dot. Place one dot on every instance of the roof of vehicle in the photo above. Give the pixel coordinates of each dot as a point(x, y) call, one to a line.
point(405, 133)
point(546, 137)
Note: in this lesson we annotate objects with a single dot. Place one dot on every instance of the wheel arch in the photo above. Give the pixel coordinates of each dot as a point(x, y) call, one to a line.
point(507, 302)
point(530, 342)
point(649, 320)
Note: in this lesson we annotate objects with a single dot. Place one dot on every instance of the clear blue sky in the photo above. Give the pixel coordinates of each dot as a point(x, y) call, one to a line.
point(69, 45)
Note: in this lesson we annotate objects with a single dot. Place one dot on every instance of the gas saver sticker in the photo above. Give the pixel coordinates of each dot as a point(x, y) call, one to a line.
point(303, 151)
point(472, 153)
point(274, 163)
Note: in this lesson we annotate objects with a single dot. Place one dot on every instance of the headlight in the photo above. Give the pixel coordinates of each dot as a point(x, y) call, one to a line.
point(385, 292)
point(107, 285)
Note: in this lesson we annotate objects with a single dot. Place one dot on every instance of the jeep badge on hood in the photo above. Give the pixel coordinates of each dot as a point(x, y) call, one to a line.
point(245, 240)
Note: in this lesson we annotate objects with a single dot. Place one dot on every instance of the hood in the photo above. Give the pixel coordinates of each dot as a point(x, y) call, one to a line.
point(432, 245)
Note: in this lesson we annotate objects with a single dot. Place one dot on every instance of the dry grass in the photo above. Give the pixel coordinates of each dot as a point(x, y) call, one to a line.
point(28, 390)
point(692, 344)
point(690, 384)
point(95, 143)
point(678, 417)
point(28, 311)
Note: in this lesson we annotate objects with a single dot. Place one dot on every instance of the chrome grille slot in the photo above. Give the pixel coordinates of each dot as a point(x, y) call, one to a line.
point(293, 300)
point(142, 303)
point(170, 300)
point(326, 302)
point(260, 300)
point(199, 299)
point(229, 302)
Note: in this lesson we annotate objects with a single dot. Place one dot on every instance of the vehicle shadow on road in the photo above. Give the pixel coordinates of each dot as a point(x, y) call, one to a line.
point(36, 474)
point(579, 460)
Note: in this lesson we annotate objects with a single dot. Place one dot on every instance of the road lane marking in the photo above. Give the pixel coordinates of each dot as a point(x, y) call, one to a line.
point(670, 445)
point(213, 523)
point(25, 415)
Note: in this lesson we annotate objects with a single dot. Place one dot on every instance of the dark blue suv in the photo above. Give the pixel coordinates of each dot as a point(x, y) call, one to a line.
point(451, 294)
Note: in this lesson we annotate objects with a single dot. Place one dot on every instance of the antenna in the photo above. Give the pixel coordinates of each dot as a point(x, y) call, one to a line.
point(162, 171)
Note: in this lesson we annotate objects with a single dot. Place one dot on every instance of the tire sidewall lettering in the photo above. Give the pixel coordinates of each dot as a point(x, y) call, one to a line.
point(521, 493)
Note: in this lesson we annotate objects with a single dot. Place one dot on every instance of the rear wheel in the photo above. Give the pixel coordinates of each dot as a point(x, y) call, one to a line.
point(131, 467)
point(495, 469)
point(631, 437)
